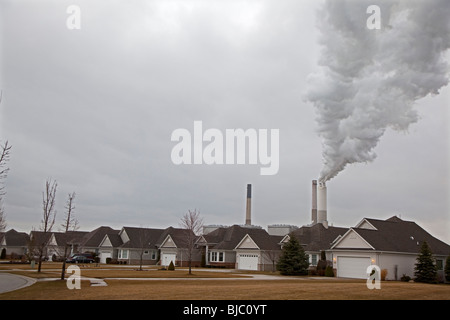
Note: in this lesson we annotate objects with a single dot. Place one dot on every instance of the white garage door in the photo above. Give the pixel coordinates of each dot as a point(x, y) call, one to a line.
point(167, 257)
point(352, 267)
point(248, 262)
point(104, 255)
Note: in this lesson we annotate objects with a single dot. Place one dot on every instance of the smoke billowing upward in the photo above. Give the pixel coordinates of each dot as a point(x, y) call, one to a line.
point(369, 80)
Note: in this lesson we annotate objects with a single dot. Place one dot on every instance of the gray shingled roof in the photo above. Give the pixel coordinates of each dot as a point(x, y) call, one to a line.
point(14, 238)
point(40, 238)
point(95, 237)
point(178, 235)
point(317, 237)
point(141, 237)
point(229, 237)
point(69, 237)
point(398, 235)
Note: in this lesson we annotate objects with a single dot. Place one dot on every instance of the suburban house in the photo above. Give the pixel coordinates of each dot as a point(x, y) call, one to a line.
point(137, 244)
point(59, 242)
point(242, 247)
point(174, 247)
point(13, 243)
point(132, 245)
point(91, 240)
point(391, 244)
point(316, 238)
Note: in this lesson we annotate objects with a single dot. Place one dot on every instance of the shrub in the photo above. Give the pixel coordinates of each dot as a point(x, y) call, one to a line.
point(322, 264)
point(383, 275)
point(312, 272)
point(405, 278)
point(329, 271)
point(171, 266)
point(108, 260)
point(321, 267)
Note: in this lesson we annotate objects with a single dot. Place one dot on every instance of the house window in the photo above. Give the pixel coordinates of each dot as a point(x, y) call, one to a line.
point(314, 259)
point(217, 256)
point(146, 252)
point(123, 254)
point(153, 255)
point(440, 264)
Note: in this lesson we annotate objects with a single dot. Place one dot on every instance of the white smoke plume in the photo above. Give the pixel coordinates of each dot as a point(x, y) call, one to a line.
point(369, 80)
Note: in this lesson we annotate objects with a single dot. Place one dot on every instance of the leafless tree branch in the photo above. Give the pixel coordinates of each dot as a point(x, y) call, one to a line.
point(4, 158)
point(48, 217)
point(70, 223)
point(193, 224)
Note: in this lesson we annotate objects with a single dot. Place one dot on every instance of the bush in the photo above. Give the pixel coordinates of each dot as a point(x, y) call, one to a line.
point(329, 271)
point(405, 278)
point(171, 266)
point(321, 267)
point(312, 272)
point(383, 275)
point(108, 260)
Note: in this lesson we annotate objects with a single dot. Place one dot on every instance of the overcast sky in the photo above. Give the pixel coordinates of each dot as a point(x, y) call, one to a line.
point(94, 109)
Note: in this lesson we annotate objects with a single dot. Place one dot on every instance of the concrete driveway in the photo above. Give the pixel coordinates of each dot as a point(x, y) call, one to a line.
point(11, 282)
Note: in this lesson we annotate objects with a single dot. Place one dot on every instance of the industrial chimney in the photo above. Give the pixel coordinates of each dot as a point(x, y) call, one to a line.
point(322, 204)
point(248, 215)
point(314, 202)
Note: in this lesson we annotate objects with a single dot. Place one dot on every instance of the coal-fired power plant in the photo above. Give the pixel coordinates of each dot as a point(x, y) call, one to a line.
point(319, 203)
point(248, 214)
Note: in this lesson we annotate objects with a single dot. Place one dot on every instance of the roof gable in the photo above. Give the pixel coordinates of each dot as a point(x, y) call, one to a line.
point(52, 241)
point(365, 224)
point(133, 237)
point(106, 242)
point(247, 243)
point(231, 238)
point(168, 242)
point(351, 239)
point(95, 237)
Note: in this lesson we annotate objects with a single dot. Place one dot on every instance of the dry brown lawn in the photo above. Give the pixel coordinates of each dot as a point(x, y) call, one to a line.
point(53, 270)
point(231, 290)
point(213, 289)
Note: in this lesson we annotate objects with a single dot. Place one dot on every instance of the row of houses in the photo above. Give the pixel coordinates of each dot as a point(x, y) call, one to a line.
point(391, 244)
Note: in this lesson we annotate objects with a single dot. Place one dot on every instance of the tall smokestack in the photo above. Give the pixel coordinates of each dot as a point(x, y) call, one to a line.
point(248, 215)
point(314, 202)
point(322, 204)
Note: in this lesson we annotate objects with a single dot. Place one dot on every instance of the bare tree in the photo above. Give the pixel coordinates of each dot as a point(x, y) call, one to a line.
point(4, 157)
point(272, 256)
point(70, 223)
point(143, 243)
point(48, 217)
point(193, 224)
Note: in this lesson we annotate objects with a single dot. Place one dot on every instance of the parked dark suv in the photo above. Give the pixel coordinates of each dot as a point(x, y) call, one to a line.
point(80, 258)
